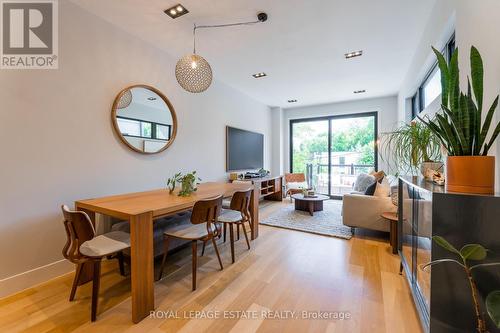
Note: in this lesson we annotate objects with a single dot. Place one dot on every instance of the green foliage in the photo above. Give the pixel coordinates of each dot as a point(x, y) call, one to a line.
point(473, 252)
point(187, 181)
point(458, 127)
point(493, 306)
point(358, 138)
point(408, 146)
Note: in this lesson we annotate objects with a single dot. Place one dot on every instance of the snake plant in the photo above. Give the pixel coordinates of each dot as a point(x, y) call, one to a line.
point(459, 127)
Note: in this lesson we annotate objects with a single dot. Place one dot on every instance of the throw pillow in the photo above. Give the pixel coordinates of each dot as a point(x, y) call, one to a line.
point(363, 181)
point(383, 189)
point(370, 190)
point(379, 175)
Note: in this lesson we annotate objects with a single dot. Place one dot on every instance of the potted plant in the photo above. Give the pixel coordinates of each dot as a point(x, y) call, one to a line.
point(468, 253)
point(461, 130)
point(412, 147)
point(187, 181)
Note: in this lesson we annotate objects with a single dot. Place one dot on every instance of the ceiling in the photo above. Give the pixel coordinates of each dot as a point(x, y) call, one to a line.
point(301, 47)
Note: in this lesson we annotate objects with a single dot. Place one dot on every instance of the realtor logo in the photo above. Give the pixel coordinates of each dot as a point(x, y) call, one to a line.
point(29, 34)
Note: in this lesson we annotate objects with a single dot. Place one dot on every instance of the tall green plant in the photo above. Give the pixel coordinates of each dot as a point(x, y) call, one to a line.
point(459, 127)
point(406, 148)
point(472, 252)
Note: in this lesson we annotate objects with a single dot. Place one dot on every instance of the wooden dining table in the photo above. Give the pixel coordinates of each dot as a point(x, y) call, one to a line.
point(141, 209)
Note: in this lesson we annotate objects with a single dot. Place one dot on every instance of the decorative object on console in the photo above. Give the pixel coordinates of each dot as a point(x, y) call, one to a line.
point(192, 71)
point(187, 181)
point(144, 119)
point(458, 127)
point(411, 147)
point(233, 176)
point(467, 253)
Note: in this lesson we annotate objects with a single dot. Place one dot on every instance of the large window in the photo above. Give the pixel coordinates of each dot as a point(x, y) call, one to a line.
point(332, 151)
point(144, 129)
point(430, 88)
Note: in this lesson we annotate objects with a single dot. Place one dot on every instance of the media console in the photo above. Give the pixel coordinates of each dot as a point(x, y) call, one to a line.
point(270, 188)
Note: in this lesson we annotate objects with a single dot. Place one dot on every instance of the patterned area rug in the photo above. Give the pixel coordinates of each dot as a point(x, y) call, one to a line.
point(327, 222)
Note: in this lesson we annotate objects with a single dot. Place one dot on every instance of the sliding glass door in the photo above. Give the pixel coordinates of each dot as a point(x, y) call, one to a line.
point(332, 151)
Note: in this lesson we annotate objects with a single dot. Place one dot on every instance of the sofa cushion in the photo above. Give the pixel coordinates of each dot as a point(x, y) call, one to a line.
point(370, 190)
point(363, 181)
point(383, 189)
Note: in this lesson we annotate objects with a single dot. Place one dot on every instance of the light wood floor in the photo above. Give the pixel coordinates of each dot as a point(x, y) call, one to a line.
point(284, 271)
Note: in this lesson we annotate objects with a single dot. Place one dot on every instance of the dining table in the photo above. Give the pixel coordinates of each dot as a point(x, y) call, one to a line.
point(141, 209)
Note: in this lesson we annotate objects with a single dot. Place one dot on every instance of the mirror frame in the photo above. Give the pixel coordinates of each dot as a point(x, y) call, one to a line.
point(167, 102)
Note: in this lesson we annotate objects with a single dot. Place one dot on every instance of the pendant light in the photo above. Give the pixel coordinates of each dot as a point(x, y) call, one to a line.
point(192, 71)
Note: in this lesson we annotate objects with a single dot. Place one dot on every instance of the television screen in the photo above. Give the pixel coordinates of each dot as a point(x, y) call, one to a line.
point(244, 149)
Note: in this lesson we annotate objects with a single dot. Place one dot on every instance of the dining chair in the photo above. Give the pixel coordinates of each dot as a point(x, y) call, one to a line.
point(203, 227)
point(238, 214)
point(84, 247)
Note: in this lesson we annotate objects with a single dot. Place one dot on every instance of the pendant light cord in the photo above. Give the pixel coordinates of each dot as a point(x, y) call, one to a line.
point(218, 26)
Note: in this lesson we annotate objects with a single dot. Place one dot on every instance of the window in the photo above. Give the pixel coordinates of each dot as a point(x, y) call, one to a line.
point(430, 88)
point(143, 129)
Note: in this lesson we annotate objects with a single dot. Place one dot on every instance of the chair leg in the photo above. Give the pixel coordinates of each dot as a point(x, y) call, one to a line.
point(225, 231)
point(95, 289)
point(237, 231)
point(194, 250)
point(120, 263)
point(231, 237)
point(164, 260)
point(217, 252)
point(203, 249)
point(78, 272)
point(245, 233)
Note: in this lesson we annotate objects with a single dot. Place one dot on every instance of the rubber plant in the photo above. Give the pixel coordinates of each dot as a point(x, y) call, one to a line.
point(472, 252)
point(461, 129)
point(410, 145)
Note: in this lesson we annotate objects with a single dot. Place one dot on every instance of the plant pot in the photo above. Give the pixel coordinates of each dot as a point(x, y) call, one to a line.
point(437, 166)
point(470, 174)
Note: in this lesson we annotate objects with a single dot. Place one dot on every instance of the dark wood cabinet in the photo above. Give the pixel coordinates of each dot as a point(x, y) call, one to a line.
point(442, 294)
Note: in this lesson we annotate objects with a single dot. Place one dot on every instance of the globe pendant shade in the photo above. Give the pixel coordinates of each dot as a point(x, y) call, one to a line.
point(193, 73)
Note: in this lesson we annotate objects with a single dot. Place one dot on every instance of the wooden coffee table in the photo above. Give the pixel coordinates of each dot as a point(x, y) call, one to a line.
point(309, 204)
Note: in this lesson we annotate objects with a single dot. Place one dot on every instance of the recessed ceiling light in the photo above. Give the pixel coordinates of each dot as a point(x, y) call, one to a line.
point(354, 54)
point(176, 11)
point(151, 98)
point(259, 75)
point(292, 101)
point(359, 91)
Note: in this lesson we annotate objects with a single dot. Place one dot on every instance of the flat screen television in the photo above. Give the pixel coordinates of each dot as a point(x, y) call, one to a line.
point(244, 149)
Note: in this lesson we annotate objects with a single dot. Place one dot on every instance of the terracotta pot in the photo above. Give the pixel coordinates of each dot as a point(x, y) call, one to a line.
point(470, 174)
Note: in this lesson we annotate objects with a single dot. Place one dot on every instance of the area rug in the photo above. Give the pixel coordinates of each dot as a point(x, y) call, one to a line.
point(327, 222)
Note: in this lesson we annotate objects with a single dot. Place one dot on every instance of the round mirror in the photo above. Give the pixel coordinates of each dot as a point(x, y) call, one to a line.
point(144, 119)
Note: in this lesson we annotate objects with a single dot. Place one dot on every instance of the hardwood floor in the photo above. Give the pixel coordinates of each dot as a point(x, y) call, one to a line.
point(284, 271)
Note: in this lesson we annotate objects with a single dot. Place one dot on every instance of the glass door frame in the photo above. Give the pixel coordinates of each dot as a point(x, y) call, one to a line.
point(373, 114)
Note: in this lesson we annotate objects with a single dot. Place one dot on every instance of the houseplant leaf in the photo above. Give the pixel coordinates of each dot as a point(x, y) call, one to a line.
point(473, 252)
point(492, 140)
point(477, 74)
point(487, 123)
point(445, 76)
point(493, 307)
point(444, 244)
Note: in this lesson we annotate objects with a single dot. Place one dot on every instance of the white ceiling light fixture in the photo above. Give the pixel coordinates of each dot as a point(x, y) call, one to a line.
point(192, 71)
point(359, 91)
point(354, 54)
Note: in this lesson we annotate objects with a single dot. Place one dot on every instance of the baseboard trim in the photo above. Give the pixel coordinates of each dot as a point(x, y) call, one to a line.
point(19, 282)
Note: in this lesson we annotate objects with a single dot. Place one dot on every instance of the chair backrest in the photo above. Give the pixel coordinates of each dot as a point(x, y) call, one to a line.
point(79, 229)
point(241, 202)
point(295, 177)
point(206, 210)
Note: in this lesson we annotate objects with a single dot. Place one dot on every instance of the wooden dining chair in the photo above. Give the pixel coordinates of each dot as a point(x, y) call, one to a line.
point(237, 215)
point(84, 247)
point(204, 227)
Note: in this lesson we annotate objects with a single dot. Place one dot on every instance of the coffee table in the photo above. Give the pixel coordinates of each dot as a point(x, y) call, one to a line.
point(309, 204)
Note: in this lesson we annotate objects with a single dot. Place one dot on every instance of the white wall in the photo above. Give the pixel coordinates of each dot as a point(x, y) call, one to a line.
point(58, 143)
point(438, 30)
point(385, 106)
